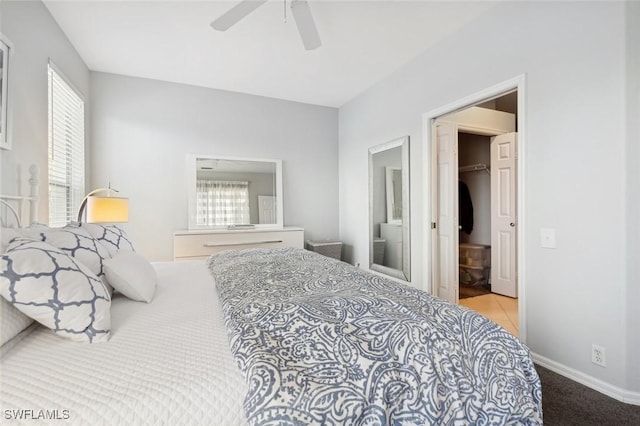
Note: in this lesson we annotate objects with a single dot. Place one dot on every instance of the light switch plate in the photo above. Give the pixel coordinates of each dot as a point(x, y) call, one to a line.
point(548, 237)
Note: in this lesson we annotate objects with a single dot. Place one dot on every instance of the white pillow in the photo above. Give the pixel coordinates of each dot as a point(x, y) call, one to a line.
point(56, 290)
point(132, 275)
point(12, 321)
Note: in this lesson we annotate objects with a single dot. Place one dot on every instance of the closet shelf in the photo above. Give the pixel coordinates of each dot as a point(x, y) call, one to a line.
point(474, 168)
point(476, 267)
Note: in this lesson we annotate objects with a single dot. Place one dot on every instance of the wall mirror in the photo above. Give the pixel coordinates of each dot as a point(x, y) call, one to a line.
point(234, 193)
point(389, 227)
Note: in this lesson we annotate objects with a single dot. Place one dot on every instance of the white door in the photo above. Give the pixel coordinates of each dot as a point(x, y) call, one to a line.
point(446, 274)
point(504, 220)
point(266, 209)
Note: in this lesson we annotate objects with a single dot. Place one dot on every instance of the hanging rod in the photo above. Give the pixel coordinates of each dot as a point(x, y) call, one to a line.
point(474, 168)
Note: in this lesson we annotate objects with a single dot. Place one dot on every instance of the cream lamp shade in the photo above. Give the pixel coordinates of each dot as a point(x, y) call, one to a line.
point(107, 209)
point(104, 209)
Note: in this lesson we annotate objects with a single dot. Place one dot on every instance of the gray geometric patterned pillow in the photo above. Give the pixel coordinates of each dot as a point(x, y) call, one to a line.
point(56, 290)
point(76, 242)
point(113, 237)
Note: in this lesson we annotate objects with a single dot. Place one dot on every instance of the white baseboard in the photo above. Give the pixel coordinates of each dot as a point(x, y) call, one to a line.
point(615, 392)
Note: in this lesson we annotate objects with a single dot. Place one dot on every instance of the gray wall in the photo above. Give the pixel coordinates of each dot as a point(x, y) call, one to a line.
point(143, 130)
point(633, 193)
point(36, 38)
point(576, 160)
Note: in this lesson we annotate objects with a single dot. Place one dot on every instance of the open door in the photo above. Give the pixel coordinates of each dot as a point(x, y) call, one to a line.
point(504, 220)
point(446, 231)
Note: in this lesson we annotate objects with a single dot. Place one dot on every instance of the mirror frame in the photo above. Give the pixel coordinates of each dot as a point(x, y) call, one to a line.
point(191, 192)
point(405, 273)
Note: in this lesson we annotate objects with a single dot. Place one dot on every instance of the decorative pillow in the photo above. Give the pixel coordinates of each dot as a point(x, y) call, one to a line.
point(12, 321)
point(76, 242)
point(56, 290)
point(132, 275)
point(113, 237)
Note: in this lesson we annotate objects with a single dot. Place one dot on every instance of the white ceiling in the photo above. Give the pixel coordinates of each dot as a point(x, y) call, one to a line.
point(362, 43)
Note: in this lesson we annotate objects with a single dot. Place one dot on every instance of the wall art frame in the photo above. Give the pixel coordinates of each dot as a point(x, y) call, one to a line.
point(6, 53)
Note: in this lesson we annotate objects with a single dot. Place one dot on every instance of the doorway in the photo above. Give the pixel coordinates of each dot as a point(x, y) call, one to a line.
point(468, 156)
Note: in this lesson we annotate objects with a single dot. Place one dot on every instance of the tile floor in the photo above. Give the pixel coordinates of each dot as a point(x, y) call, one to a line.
point(499, 309)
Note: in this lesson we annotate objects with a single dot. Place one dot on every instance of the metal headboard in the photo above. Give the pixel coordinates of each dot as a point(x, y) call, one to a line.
point(22, 208)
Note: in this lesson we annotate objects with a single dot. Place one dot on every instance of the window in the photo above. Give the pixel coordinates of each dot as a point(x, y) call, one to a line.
point(222, 202)
point(66, 150)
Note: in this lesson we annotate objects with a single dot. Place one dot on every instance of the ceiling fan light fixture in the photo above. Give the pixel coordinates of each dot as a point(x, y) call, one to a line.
point(299, 9)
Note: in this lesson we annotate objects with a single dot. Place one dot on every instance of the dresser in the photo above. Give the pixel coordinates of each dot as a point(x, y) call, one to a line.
point(200, 244)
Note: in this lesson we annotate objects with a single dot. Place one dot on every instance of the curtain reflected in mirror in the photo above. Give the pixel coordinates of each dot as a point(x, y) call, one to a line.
point(221, 202)
point(389, 248)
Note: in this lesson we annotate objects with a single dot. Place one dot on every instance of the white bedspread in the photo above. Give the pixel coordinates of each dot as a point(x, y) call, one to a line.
point(168, 362)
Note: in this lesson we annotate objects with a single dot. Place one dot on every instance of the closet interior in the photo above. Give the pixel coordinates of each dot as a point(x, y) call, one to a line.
point(474, 191)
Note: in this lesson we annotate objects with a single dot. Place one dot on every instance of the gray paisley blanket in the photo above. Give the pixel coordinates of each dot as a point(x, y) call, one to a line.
point(322, 342)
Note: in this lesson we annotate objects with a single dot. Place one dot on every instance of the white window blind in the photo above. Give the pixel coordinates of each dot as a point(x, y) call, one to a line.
point(66, 150)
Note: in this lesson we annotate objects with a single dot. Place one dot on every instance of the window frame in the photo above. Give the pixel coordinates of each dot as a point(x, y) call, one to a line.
point(67, 137)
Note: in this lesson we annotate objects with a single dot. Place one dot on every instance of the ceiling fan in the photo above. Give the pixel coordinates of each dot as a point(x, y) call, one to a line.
point(299, 9)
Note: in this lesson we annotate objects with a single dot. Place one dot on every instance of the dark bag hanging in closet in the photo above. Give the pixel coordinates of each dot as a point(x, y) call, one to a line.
point(465, 208)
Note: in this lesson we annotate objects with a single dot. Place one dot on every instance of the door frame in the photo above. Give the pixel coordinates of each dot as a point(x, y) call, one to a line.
point(430, 194)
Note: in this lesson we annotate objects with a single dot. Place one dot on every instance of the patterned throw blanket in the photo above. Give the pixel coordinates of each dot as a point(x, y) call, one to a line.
point(322, 342)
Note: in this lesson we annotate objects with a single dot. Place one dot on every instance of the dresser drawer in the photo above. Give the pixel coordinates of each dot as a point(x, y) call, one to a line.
point(200, 245)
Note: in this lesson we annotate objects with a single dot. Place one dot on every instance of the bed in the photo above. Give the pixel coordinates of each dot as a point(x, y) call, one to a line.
point(258, 336)
point(167, 362)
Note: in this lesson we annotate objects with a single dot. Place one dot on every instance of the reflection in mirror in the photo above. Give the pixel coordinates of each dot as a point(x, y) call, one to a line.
point(389, 246)
point(394, 194)
point(234, 192)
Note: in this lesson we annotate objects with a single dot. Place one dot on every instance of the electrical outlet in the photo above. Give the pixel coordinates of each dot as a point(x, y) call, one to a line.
point(598, 355)
point(548, 238)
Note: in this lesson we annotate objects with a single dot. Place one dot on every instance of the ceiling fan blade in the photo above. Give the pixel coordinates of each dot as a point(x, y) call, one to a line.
point(306, 25)
point(236, 13)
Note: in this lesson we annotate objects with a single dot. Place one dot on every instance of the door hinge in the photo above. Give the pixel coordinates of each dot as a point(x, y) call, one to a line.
point(433, 225)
